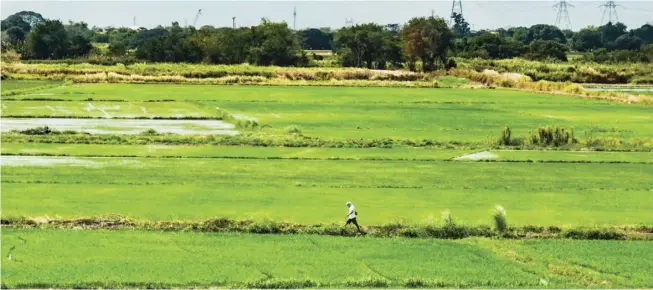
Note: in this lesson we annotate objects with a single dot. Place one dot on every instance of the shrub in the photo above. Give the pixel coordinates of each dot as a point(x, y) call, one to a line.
point(368, 282)
point(294, 129)
point(500, 222)
point(150, 132)
point(45, 130)
point(241, 123)
point(265, 227)
point(553, 136)
point(414, 283)
point(10, 56)
point(505, 138)
point(594, 234)
point(282, 284)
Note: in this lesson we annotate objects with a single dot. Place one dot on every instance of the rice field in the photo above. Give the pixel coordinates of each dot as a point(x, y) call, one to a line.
point(328, 112)
point(406, 157)
point(105, 109)
point(116, 259)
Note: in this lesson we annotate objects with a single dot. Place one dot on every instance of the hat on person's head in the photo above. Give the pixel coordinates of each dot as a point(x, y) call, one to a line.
point(349, 203)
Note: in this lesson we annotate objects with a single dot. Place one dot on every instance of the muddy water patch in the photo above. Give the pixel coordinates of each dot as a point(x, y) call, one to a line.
point(121, 126)
point(45, 161)
point(12, 160)
point(477, 156)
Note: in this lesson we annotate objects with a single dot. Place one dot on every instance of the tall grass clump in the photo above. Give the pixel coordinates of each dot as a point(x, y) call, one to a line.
point(281, 284)
point(264, 227)
point(368, 282)
point(294, 129)
point(246, 124)
point(553, 136)
point(45, 130)
point(500, 222)
point(506, 136)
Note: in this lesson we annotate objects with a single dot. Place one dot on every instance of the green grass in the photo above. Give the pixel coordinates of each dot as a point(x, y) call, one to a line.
point(573, 156)
point(451, 81)
point(229, 151)
point(65, 258)
point(438, 114)
point(12, 85)
point(314, 191)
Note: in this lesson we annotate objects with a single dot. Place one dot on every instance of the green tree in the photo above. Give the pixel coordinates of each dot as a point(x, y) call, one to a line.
point(79, 46)
point(547, 49)
point(15, 35)
point(645, 33)
point(368, 45)
point(427, 39)
point(48, 40)
point(26, 20)
point(273, 44)
point(587, 39)
point(545, 32)
point(460, 27)
point(316, 39)
point(80, 39)
point(520, 34)
point(610, 32)
point(627, 42)
point(117, 49)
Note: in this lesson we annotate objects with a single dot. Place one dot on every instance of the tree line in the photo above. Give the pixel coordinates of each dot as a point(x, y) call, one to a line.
point(424, 43)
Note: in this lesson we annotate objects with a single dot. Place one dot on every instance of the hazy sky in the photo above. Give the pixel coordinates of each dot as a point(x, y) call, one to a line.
point(481, 14)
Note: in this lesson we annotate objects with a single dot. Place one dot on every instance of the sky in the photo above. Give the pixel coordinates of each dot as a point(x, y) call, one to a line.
point(480, 14)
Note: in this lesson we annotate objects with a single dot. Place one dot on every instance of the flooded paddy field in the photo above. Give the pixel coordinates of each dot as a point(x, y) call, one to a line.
point(122, 126)
point(105, 109)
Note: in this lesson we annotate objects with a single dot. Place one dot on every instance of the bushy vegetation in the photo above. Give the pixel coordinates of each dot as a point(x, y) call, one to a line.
point(362, 45)
point(448, 230)
point(564, 72)
point(553, 136)
point(500, 221)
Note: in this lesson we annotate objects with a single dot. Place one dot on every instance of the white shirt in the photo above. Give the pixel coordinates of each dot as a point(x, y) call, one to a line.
point(352, 212)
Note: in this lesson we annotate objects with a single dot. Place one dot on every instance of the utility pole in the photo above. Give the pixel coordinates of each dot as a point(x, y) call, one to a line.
point(563, 14)
point(610, 8)
point(233, 21)
point(294, 18)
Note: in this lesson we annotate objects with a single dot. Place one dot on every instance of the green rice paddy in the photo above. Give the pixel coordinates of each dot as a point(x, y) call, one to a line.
point(113, 259)
point(152, 181)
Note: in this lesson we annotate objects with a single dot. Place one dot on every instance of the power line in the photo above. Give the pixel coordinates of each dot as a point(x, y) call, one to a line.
point(609, 8)
point(563, 14)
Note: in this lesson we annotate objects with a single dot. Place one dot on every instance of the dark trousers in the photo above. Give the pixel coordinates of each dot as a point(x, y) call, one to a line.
point(350, 221)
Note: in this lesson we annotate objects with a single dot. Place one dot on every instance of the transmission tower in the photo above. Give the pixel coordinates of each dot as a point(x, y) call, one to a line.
point(197, 16)
point(457, 7)
point(610, 8)
point(294, 18)
point(563, 14)
point(349, 22)
point(233, 21)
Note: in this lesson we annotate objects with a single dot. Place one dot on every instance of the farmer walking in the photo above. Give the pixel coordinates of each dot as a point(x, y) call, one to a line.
point(351, 216)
